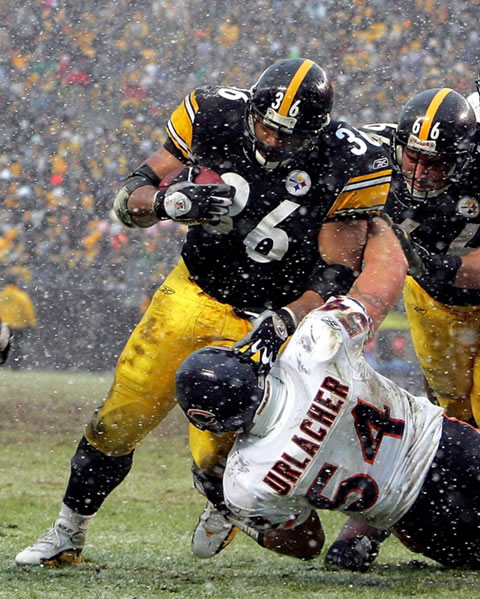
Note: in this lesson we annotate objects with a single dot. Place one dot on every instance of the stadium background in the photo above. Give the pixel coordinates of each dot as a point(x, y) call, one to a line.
point(86, 89)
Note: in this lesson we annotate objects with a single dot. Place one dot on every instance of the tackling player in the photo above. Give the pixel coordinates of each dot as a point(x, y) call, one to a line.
point(295, 182)
point(323, 430)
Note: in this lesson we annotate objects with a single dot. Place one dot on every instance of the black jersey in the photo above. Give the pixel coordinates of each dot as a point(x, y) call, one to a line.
point(263, 252)
point(446, 224)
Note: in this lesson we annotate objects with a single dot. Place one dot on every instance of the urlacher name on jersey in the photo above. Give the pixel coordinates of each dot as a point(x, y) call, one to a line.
point(322, 413)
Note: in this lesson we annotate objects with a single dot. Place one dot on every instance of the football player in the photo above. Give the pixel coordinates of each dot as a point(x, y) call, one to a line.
point(434, 208)
point(434, 204)
point(323, 430)
point(286, 229)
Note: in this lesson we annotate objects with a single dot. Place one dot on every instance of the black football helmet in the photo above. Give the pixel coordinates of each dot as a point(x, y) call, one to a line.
point(435, 137)
point(218, 390)
point(294, 98)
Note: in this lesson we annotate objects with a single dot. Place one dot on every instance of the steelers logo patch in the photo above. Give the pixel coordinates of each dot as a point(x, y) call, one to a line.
point(468, 207)
point(298, 183)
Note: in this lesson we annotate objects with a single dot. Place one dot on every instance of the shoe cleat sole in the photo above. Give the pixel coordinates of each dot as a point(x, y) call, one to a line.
point(66, 558)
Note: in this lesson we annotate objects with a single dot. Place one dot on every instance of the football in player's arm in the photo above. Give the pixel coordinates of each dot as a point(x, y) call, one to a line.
point(322, 430)
point(293, 181)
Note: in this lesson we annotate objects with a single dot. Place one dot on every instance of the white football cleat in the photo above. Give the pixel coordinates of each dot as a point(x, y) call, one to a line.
point(212, 534)
point(62, 544)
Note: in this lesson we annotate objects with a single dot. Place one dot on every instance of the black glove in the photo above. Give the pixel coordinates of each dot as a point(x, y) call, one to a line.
point(211, 487)
point(270, 331)
point(440, 267)
point(190, 203)
point(356, 554)
point(5, 338)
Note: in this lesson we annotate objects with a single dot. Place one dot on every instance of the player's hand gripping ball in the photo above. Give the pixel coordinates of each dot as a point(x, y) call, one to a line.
point(193, 195)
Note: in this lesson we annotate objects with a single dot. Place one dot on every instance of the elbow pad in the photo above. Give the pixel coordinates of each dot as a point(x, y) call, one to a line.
point(143, 175)
point(331, 280)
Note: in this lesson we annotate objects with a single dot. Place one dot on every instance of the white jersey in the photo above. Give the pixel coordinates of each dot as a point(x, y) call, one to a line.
point(331, 432)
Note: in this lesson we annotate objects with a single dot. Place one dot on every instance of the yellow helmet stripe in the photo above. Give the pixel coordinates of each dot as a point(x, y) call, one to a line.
point(431, 111)
point(293, 87)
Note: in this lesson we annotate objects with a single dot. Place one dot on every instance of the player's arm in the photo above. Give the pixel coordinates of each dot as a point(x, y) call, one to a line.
point(462, 272)
point(304, 541)
point(343, 237)
point(381, 280)
point(468, 274)
point(365, 260)
point(341, 246)
point(140, 203)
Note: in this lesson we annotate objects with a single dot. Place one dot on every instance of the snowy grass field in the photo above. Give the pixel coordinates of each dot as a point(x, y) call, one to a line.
point(139, 545)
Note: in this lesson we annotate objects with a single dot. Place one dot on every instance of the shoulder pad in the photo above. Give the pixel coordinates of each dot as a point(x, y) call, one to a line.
point(356, 143)
point(362, 166)
point(205, 105)
point(214, 95)
point(382, 132)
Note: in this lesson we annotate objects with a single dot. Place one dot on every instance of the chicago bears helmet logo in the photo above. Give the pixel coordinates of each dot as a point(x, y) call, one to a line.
point(203, 418)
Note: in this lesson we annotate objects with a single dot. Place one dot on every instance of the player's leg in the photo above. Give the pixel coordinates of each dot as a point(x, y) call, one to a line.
point(213, 531)
point(93, 476)
point(475, 393)
point(217, 527)
point(179, 320)
point(444, 521)
point(445, 345)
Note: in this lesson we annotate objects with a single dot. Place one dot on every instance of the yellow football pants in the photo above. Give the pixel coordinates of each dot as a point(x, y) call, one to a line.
point(447, 342)
point(181, 318)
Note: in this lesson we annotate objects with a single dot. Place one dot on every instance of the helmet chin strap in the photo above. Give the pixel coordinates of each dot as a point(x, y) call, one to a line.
point(421, 196)
point(265, 163)
point(254, 152)
point(425, 195)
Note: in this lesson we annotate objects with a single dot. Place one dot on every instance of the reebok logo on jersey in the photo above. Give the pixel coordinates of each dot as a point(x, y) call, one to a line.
point(298, 183)
point(381, 163)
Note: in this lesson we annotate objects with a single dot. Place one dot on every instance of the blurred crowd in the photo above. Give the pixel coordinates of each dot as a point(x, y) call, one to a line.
point(86, 89)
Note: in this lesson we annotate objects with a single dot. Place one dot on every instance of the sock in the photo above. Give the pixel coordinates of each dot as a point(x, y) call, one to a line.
point(80, 521)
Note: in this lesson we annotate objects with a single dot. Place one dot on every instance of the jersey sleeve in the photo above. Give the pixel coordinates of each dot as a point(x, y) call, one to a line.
point(381, 132)
point(363, 195)
point(365, 190)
